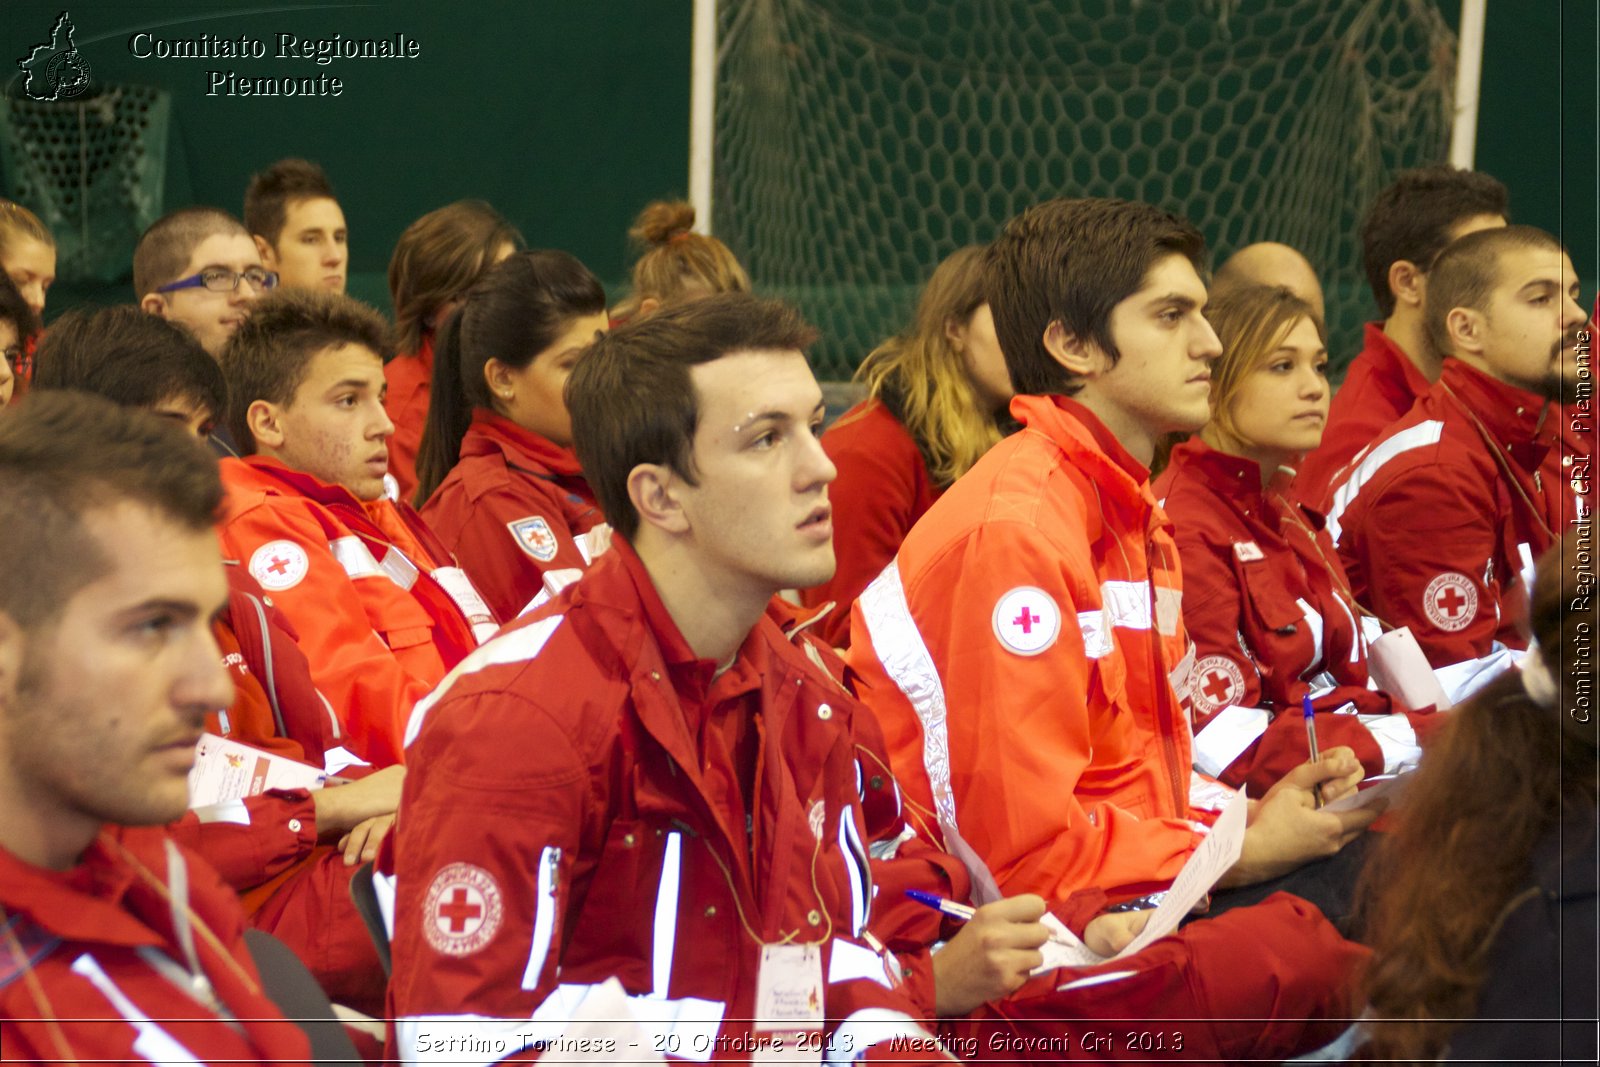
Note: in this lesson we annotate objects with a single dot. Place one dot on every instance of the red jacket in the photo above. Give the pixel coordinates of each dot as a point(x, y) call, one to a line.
point(1027, 660)
point(1379, 387)
point(409, 377)
point(1431, 530)
point(88, 936)
point(1268, 607)
point(883, 488)
point(516, 510)
point(380, 608)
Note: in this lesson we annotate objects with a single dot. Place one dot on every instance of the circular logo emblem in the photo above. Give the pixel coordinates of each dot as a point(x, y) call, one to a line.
point(279, 565)
point(1450, 601)
point(1215, 683)
point(68, 75)
point(462, 910)
point(1026, 620)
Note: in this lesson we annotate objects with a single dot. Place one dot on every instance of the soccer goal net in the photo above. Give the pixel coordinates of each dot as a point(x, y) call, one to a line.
point(857, 143)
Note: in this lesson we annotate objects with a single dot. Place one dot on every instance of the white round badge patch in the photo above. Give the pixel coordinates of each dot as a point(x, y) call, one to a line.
point(1215, 682)
point(1450, 601)
point(279, 565)
point(1026, 620)
point(462, 911)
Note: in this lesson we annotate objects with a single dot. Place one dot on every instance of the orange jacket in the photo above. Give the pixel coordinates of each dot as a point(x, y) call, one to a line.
point(1021, 654)
point(517, 513)
point(381, 611)
point(409, 377)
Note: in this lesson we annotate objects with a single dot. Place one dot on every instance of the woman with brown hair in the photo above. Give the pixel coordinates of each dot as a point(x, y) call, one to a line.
point(1481, 901)
point(676, 263)
point(1264, 596)
point(436, 260)
point(936, 395)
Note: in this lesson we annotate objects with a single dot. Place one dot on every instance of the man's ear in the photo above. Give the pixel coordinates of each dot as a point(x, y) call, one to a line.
point(1407, 282)
point(1465, 327)
point(268, 254)
point(648, 306)
point(266, 425)
point(653, 489)
point(1076, 355)
point(153, 304)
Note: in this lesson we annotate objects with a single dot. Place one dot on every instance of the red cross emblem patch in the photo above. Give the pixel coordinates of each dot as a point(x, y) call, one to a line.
point(534, 536)
point(1026, 620)
point(279, 565)
point(1215, 683)
point(1450, 601)
point(462, 911)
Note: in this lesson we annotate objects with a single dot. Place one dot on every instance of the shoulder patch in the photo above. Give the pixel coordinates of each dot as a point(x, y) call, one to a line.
point(534, 536)
point(462, 911)
point(1215, 683)
point(1450, 601)
point(1026, 620)
point(279, 565)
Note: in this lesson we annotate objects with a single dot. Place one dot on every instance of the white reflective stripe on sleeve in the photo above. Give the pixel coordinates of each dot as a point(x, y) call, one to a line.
point(460, 589)
point(592, 544)
point(474, 1040)
point(514, 646)
point(692, 1021)
point(383, 887)
point(665, 934)
point(232, 811)
point(1230, 732)
point(153, 1043)
point(1357, 633)
point(905, 659)
point(338, 758)
point(1525, 554)
point(848, 961)
point(544, 915)
point(855, 857)
point(1126, 604)
point(399, 568)
point(1096, 629)
point(1371, 461)
point(554, 582)
point(872, 1026)
point(1313, 619)
point(1396, 739)
point(1169, 610)
point(352, 554)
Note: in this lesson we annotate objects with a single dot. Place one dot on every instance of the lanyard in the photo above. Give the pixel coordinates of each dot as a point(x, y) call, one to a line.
point(1505, 468)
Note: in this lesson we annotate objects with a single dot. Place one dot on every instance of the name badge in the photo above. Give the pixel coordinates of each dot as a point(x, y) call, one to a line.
point(1247, 551)
point(789, 988)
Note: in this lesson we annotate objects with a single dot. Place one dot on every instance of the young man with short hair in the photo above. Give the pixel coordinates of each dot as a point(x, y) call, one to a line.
point(118, 945)
point(656, 778)
point(198, 267)
point(1025, 652)
point(1439, 521)
point(298, 226)
point(382, 610)
point(1408, 225)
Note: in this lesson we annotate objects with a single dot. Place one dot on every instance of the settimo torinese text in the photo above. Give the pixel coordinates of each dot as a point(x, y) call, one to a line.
point(319, 51)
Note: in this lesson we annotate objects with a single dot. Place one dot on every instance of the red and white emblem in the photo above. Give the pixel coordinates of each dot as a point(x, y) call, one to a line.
point(462, 911)
point(534, 536)
point(1216, 683)
point(1026, 620)
point(1450, 601)
point(279, 565)
point(1247, 551)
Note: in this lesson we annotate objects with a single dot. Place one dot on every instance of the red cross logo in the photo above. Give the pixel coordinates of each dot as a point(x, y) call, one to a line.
point(459, 910)
point(279, 565)
point(1451, 601)
point(1217, 686)
point(1025, 620)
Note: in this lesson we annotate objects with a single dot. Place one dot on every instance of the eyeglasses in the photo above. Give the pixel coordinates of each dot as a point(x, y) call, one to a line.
point(223, 280)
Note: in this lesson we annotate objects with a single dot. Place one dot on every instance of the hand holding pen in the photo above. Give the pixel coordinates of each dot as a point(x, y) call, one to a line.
point(1311, 742)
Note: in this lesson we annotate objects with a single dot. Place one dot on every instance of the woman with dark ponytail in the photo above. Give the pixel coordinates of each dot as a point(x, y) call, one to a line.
point(497, 479)
point(1481, 902)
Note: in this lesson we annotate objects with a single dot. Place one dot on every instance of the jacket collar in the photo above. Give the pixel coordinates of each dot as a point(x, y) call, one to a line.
point(1391, 364)
point(491, 433)
point(1089, 446)
point(272, 471)
point(1514, 417)
point(95, 900)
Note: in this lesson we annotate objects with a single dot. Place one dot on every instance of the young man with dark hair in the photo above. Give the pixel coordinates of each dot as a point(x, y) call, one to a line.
point(297, 225)
point(382, 610)
point(1025, 652)
point(118, 946)
point(198, 267)
point(1407, 226)
point(654, 778)
point(1439, 521)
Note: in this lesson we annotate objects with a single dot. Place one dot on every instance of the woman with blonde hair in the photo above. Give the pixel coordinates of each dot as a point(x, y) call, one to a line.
point(936, 398)
point(1480, 903)
point(28, 260)
point(1265, 598)
point(437, 259)
point(676, 264)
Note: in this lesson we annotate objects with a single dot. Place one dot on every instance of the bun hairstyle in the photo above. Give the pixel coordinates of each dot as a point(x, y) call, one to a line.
point(675, 263)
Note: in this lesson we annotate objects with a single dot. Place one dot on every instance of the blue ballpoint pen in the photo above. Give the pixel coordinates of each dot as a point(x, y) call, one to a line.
point(1311, 742)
